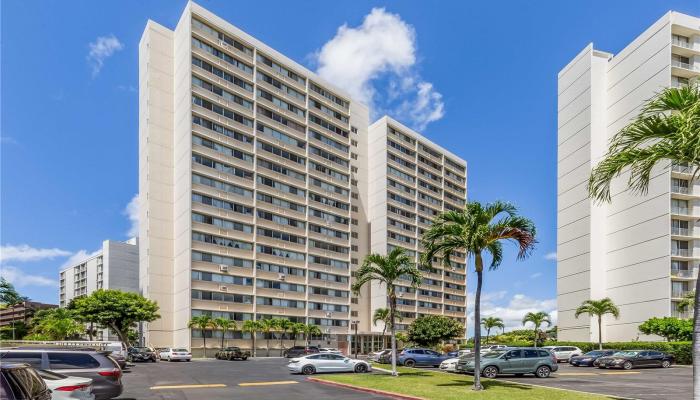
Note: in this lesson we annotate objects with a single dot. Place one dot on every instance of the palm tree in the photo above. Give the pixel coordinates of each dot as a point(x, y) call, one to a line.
point(267, 326)
point(309, 331)
point(382, 314)
point(283, 325)
point(477, 231)
point(667, 129)
point(202, 322)
point(598, 308)
point(252, 327)
point(537, 318)
point(295, 329)
point(225, 324)
point(491, 322)
point(386, 270)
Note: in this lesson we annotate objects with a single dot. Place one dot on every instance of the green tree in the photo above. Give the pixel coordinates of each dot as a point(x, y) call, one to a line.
point(57, 324)
point(309, 331)
point(225, 325)
point(478, 230)
point(688, 302)
point(252, 327)
point(537, 318)
point(284, 325)
point(386, 270)
point(295, 329)
point(8, 295)
point(203, 323)
point(671, 328)
point(431, 329)
point(115, 309)
point(490, 323)
point(666, 129)
point(15, 330)
point(267, 326)
point(382, 314)
point(598, 308)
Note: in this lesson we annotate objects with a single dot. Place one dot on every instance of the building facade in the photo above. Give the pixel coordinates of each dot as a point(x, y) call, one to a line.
point(22, 312)
point(252, 178)
point(641, 251)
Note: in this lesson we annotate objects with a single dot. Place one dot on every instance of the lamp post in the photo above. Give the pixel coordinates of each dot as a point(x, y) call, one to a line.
point(355, 324)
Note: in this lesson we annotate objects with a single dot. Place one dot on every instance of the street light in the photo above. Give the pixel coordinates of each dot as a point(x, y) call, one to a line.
point(355, 324)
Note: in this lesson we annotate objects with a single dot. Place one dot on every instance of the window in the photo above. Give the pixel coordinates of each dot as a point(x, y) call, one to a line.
point(328, 126)
point(281, 153)
point(223, 167)
point(281, 70)
point(531, 353)
point(224, 56)
point(281, 103)
point(71, 361)
point(222, 74)
point(217, 109)
point(514, 354)
point(217, 259)
point(328, 95)
point(213, 126)
point(353, 313)
point(275, 134)
point(31, 358)
point(262, 77)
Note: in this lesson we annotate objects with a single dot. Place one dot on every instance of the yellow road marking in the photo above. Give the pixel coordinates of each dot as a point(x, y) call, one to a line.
point(267, 383)
point(575, 373)
point(620, 373)
point(214, 385)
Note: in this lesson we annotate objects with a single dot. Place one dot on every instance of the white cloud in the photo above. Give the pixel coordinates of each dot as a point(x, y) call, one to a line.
point(384, 46)
point(552, 256)
point(132, 212)
point(78, 257)
point(102, 48)
point(513, 311)
point(20, 278)
point(24, 253)
point(535, 275)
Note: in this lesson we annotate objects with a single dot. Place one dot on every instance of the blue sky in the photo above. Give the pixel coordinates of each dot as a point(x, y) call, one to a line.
point(70, 109)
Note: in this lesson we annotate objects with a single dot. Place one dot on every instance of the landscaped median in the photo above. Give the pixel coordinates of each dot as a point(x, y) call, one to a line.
point(433, 385)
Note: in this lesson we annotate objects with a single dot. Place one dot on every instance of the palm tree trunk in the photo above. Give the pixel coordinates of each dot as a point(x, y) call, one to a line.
point(267, 341)
point(392, 316)
point(535, 336)
point(477, 325)
point(600, 332)
point(696, 343)
point(488, 333)
point(204, 341)
point(252, 336)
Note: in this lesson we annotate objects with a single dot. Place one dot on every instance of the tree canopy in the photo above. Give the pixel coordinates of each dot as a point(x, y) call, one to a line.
point(670, 328)
point(432, 329)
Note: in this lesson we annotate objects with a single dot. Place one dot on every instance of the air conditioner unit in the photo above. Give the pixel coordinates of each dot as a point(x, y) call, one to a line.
point(223, 267)
point(223, 288)
point(401, 294)
point(282, 277)
point(328, 315)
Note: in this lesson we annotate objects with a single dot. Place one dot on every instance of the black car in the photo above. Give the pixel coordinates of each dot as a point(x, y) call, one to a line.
point(298, 351)
point(629, 359)
point(19, 381)
point(587, 360)
point(232, 353)
point(137, 354)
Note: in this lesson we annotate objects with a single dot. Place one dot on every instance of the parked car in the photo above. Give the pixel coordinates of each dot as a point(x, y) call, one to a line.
point(629, 359)
point(175, 354)
point(118, 352)
point(142, 354)
point(492, 347)
point(19, 381)
point(449, 365)
point(298, 351)
point(385, 357)
point(564, 353)
point(518, 361)
point(67, 387)
point(87, 363)
point(232, 353)
point(327, 362)
point(331, 350)
point(159, 350)
point(377, 354)
point(587, 360)
point(415, 357)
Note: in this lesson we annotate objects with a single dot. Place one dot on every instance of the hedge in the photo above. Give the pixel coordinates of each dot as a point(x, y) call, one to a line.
point(682, 351)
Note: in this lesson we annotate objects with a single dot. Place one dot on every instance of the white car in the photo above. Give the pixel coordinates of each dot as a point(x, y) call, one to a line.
point(327, 362)
point(329, 350)
point(175, 354)
point(564, 353)
point(449, 365)
point(492, 347)
point(67, 387)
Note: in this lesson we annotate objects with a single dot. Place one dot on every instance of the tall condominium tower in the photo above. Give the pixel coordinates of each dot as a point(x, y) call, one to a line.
point(252, 181)
point(641, 251)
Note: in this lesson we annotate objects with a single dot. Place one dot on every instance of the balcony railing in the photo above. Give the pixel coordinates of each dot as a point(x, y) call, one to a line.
point(683, 169)
point(675, 293)
point(681, 252)
point(684, 65)
point(683, 273)
point(680, 189)
point(681, 314)
point(680, 231)
point(679, 210)
point(682, 43)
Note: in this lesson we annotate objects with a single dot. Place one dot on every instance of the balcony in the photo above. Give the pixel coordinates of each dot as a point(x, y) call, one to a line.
point(681, 252)
point(679, 210)
point(680, 231)
point(682, 43)
point(680, 189)
point(683, 273)
point(681, 314)
point(683, 169)
point(683, 65)
point(679, 293)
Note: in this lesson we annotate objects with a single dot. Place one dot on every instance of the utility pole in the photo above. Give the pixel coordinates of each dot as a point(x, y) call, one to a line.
point(356, 323)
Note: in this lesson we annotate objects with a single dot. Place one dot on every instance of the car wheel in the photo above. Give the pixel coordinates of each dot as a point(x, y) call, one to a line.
point(409, 363)
point(542, 371)
point(627, 365)
point(244, 358)
point(170, 359)
point(308, 370)
point(665, 364)
point(360, 368)
point(490, 372)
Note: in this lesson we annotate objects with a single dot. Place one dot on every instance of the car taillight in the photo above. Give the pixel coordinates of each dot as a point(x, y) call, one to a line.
point(115, 373)
point(72, 388)
point(189, 354)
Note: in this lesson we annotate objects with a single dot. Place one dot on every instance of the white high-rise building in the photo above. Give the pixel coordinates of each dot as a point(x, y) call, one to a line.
point(253, 186)
point(641, 251)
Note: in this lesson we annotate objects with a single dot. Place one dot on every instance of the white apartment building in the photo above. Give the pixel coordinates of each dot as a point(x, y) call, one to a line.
point(641, 251)
point(252, 178)
point(115, 266)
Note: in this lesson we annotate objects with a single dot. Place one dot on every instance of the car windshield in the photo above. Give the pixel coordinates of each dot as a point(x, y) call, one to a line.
point(180, 350)
point(493, 354)
point(626, 353)
point(142, 349)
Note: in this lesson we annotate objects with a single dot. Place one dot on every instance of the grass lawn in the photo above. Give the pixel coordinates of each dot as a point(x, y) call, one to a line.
point(442, 386)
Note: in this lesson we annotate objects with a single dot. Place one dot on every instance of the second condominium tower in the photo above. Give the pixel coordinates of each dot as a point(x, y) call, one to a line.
point(252, 181)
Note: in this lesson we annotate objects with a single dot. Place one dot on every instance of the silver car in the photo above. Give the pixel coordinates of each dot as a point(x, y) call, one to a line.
point(327, 362)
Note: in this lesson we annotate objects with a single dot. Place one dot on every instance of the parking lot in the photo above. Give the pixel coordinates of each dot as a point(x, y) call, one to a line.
point(262, 378)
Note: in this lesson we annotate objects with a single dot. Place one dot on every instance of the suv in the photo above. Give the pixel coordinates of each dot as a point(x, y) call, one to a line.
point(564, 353)
point(142, 354)
point(232, 353)
point(298, 351)
point(413, 357)
point(518, 361)
point(87, 363)
point(21, 382)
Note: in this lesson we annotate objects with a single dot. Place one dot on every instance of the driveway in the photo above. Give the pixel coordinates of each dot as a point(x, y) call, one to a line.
point(261, 378)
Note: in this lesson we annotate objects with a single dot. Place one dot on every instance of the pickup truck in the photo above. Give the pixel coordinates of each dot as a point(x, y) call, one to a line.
point(232, 353)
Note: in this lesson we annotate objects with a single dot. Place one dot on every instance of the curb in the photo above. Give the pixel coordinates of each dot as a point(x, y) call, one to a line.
point(366, 390)
point(616, 397)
